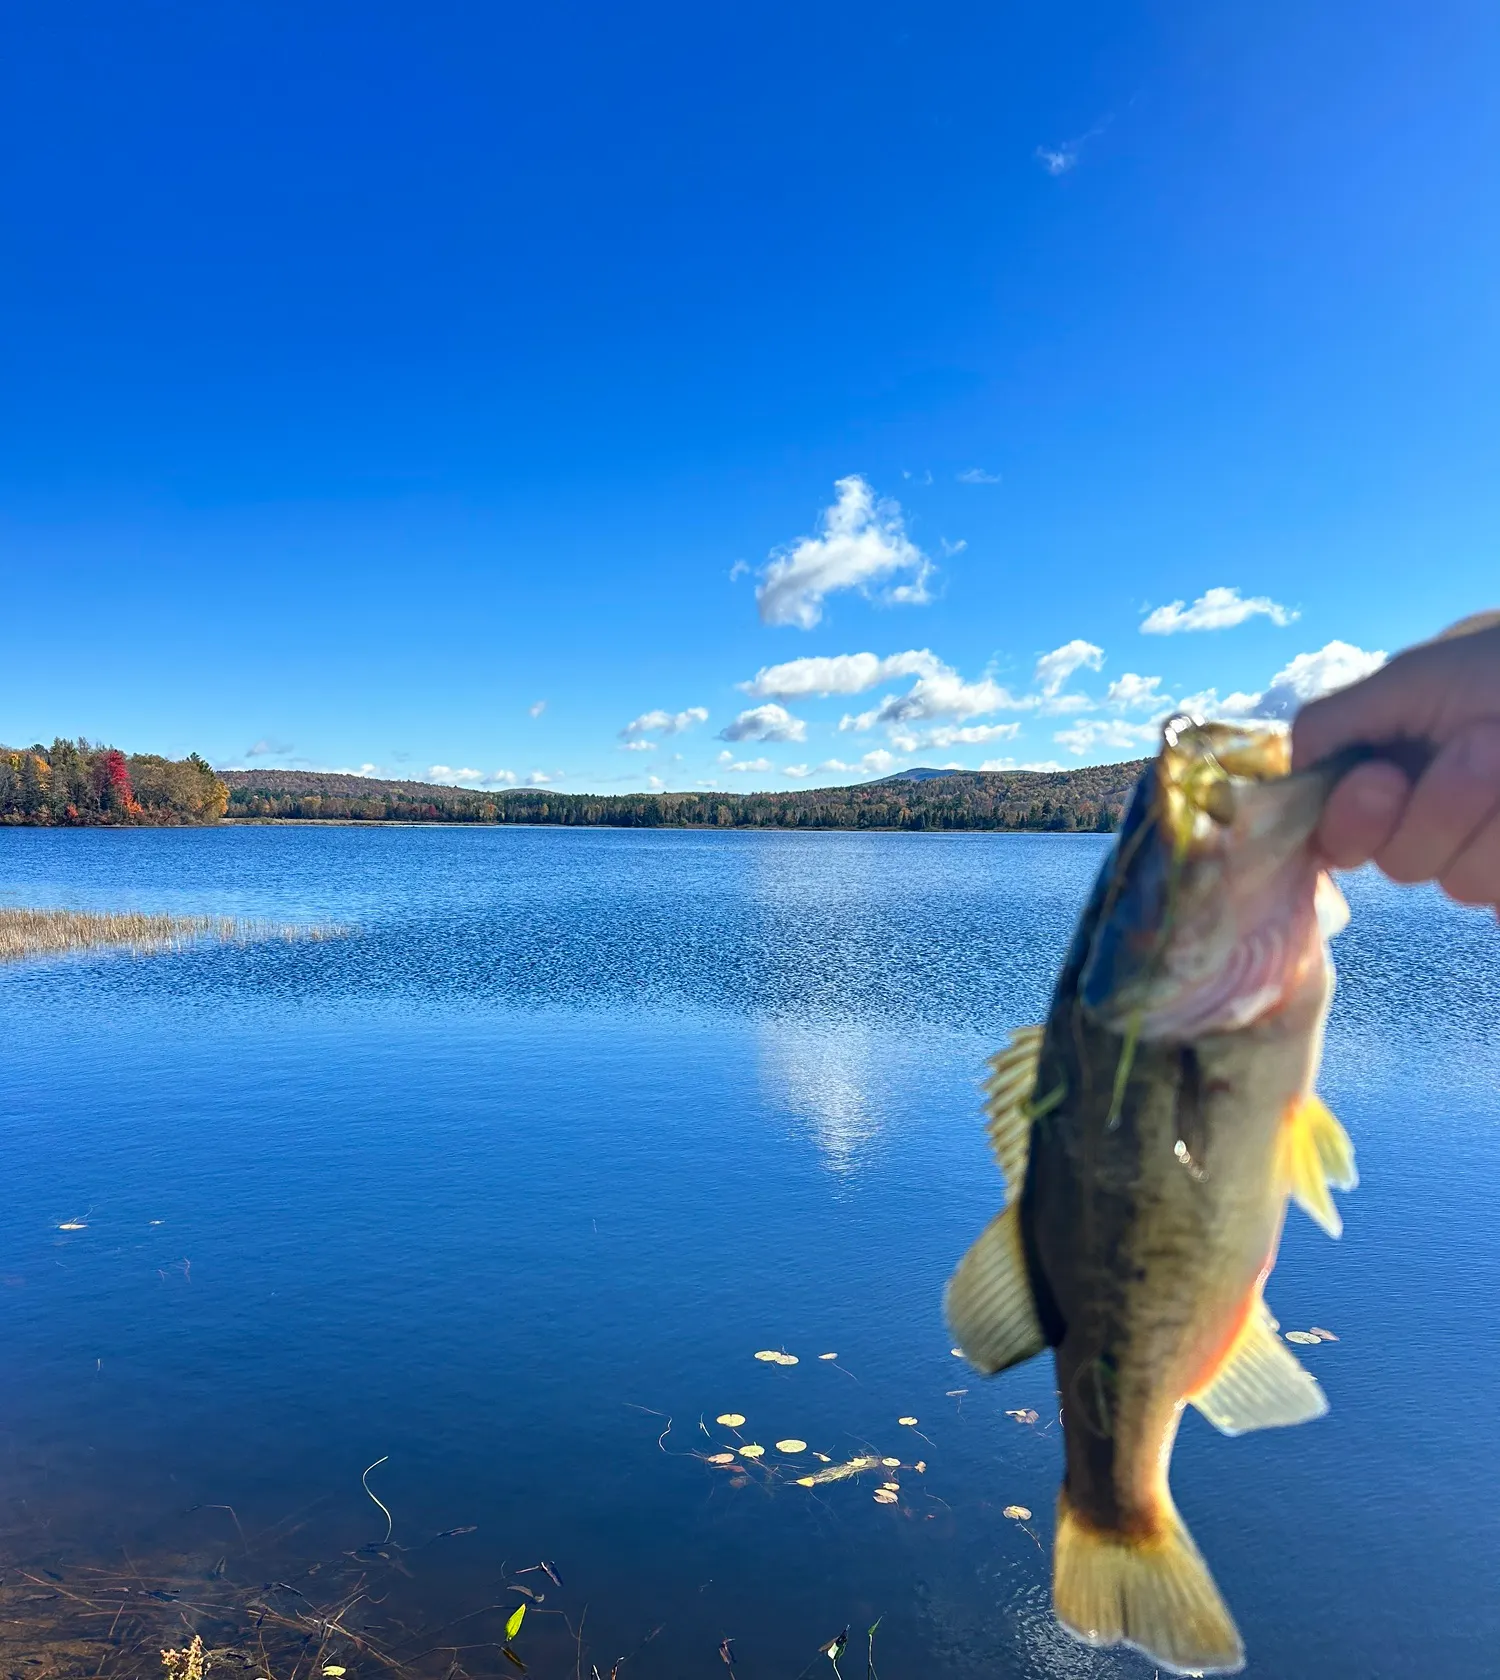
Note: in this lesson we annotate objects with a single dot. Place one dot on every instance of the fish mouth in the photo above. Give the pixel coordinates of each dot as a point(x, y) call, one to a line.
point(1210, 917)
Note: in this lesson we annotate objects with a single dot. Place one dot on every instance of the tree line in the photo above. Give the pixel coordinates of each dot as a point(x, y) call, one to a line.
point(83, 784)
point(1090, 799)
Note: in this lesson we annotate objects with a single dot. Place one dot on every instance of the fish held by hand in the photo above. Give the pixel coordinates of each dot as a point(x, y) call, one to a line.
point(1151, 1133)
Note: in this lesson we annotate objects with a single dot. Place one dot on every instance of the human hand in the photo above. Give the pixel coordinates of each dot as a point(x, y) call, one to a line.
point(1446, 827)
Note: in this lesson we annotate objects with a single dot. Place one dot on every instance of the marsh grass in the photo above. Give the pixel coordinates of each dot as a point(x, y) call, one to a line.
point(44, 933)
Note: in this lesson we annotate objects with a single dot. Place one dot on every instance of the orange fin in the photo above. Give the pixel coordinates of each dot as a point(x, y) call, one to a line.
point(1155, 1594)
point(1260, 1384)
point(1315, 1154)
point(1008, 1092)
point(989, 1304)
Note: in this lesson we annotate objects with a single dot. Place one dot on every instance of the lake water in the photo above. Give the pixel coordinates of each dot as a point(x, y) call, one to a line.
point(508, 1186)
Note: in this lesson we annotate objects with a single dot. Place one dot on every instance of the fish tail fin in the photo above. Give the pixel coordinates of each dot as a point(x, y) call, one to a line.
point(1152, 1592)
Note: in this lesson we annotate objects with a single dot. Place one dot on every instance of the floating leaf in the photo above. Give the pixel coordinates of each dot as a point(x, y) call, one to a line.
point(513, 1622)
point(920, 1467)
point(953, 1393)
point(1023, 1415)
point(1018, 1512)
point(1303, 1338)
point(807, 1481)
point(464, 1528)
point(891, 1463)
point(1323, 1335)
point(841, 1472)
point(511, 1657)
point(786, 1359)
point(791, 1445)
point(827, 1356)
point(720, 1458)
point(730, 1420)
point(72, 1225)
point(910, 1422)
point(334, 1670)
point(768, 1356)
point(739, 1481)
point(752, 1451)
point(550, 1571)
point(824, 1456)
point(884, 1496)
point(957, 1353)
point(726, 1651)
point(891, 1487)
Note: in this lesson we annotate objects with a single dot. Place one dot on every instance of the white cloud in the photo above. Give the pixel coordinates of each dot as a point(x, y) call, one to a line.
point(1335, 665)
point(639, 746)
point(663, 723)
point(1010, 764)
point(538, 778)
point(740, 766)
point(765, 723)
point(861, 541)
point(1060, 705)
point(1090, 734)
point(536, 708)
point(1053, 669)
point(738, 570)
point(1207, 704)
point(940, 694)
point(264, 748)
point(873, 763)
point(655, 784)
point(1057, 161)
point(838, 673)
point(952, 735)
point(464, 777)
point(1134, 693)
point(977, 475)
point(796, 770)
point(1215, 609)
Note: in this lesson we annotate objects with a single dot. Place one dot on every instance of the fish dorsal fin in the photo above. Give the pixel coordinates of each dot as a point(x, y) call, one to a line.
point(1007, 1093)
point(1259, 1385)
point(1316, 1153)
point(989, 1303)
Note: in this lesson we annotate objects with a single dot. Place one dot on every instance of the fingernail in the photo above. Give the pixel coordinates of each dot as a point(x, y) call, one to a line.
point(1380, 796)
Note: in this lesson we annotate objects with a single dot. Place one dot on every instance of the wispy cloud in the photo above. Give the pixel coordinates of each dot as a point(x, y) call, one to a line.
point(765, 723)
point(738, 570)
point(1132, 693)
point(1215, 609)
point(539, 778)
point(536, 708)
point(743, 766)
point(796, 770)
point(940, 694)
point(470, 778)
point(1059, 159)
point(861, 543)
point(874, 763)
point(1053, 669)
point(655, 783)
point(1092, 734)
point(639, 746)
point(663, 723)
point(268, 749)
point(838, 673)
point(977, 475)
point(953, 735)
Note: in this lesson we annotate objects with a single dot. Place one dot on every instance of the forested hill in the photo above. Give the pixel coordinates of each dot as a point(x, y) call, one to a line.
point(78, 784)
point(1090, 799)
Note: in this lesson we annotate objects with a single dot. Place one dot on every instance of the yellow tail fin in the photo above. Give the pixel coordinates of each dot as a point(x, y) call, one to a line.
point(1155, 1594)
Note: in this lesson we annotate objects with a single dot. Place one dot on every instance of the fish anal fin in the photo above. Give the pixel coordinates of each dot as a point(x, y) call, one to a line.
point(1008, 1092)
point(1315, 1154)
point(1260, 1384)
point(989, 1302)
point(1152, 1592)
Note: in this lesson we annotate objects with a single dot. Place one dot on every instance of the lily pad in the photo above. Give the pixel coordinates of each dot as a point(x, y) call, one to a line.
point(910, 1422)
point(1303, 1338)
point(752, 1451)
point(720, 1458)
point(768, 1356)
point(786, 1359)
point(791, 1445)
point(730, 1420)
point(884, 1496)
point(1018, 1513)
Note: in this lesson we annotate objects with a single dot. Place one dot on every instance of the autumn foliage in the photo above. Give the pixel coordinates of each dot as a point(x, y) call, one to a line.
point(73, 783)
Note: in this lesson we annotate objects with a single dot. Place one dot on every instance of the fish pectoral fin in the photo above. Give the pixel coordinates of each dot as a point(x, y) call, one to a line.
point(1260, 1384)
point(989, 1302)
point(1152, 1592)
point(1315, 1154)
point(1008, 1092)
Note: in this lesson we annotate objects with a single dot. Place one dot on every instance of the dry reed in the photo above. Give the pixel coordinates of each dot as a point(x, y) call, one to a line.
point(40, 933)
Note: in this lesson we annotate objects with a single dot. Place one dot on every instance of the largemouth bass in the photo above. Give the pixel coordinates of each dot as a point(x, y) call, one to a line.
point(1151, 1134)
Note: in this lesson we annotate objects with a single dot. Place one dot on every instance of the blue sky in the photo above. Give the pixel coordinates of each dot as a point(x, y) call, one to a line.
point(371, 375)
